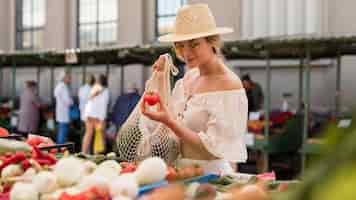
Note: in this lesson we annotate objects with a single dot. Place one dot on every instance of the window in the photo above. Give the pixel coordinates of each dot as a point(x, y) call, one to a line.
point(30, 21)
point(165, 15)
point(97, 22)
point(261, 18)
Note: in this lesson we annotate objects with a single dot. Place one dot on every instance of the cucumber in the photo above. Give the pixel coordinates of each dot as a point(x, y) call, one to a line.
point(7, 145)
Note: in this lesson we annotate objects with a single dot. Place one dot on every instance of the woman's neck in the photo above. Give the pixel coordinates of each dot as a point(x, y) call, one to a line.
point(213, 67)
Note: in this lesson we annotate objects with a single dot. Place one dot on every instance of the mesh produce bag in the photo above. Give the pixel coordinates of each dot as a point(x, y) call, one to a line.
point(139, 137)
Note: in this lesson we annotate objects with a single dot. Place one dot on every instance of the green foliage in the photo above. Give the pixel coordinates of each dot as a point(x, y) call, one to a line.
point(333, 177)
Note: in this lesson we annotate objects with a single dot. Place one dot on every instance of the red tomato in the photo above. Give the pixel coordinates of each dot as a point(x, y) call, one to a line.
point(282, 187)
point(172, 174)
point(4, 132)
point(8, 154)
point(151, 98)
point(34, 141)
point(124, 164)
point(7, 188)
point(128, 167)
point(53, 151)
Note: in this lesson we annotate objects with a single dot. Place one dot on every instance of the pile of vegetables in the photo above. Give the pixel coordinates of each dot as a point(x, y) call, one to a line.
point(72, 178)
point(11, 146)
point(229, 187)
point(41, 141)
point(35, 175)
point(22, 166)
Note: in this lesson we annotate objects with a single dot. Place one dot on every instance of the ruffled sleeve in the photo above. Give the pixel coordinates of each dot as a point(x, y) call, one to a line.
point(227, 121)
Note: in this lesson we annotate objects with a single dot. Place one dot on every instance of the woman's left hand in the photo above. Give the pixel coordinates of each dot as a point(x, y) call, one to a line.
point(161, 114)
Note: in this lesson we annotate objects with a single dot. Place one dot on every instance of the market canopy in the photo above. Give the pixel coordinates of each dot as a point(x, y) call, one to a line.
point(282, 47)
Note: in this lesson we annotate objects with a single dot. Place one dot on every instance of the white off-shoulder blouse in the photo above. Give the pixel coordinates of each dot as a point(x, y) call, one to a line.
point(220, 120)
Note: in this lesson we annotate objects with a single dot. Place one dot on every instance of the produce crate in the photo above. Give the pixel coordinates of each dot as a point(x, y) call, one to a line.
point(13, 137)
point(200, 179)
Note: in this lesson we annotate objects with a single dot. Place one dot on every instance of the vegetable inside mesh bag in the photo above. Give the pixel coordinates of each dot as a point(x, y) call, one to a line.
point(139, 137)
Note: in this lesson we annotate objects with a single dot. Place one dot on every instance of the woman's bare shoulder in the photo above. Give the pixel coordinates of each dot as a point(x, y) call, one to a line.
point(230, 82)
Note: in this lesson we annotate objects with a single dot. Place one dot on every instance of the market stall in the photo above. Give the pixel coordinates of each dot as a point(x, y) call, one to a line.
point(30, 172)
point(303, 48)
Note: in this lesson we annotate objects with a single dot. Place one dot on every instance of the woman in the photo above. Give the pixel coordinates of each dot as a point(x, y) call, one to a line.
point(96, 111)
point(210, 104)
point(29, 109)
point(83, 95)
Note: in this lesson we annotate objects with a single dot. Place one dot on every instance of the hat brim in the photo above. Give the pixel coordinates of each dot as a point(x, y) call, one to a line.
point(173, 37)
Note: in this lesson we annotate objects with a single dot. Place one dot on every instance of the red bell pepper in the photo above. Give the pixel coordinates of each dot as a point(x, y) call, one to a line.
point(43, 158)
point(15, 158)
point(25, 164)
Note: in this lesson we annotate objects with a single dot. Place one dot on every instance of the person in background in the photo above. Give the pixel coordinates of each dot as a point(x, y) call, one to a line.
point(63, 103)
point(96, 111)
point(254, 93)
point(83, 95)
point(124, 105)
point(29, 109)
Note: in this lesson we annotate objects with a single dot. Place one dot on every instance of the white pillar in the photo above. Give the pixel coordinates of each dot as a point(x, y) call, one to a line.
point(295, 16)
point(55, 28)
point(130, 28)
point(277, 18)
point(325, 17)
point(247, 18)
point(5, 30)
point(71, 10)
point(12, 26)
point(261, 16)
point(313, 16)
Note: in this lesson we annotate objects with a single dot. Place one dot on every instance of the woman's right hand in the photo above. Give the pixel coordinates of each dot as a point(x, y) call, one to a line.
point(159, 64)
point(162, 113)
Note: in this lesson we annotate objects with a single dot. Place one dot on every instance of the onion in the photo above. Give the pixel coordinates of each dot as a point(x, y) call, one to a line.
point(24, 191)
point(124, 185)
point(69, 171)
point(122, 198)
point(11, 171)
point(109, 169)
point(151, 170)
point(45, 182)
point(89, 167)
point(99, 182)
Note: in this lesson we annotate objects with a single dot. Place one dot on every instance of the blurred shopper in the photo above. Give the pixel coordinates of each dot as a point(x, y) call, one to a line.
point(63, 103)
point(29, 114)
point(83, 95)
point(124, 105)
point(95, 115)
point(254, 93)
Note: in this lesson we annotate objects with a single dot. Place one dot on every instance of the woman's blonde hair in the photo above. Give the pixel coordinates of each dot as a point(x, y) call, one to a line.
point(214, 40)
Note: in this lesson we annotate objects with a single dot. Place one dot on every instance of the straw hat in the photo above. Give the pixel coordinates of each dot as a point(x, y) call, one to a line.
point(194, 21)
